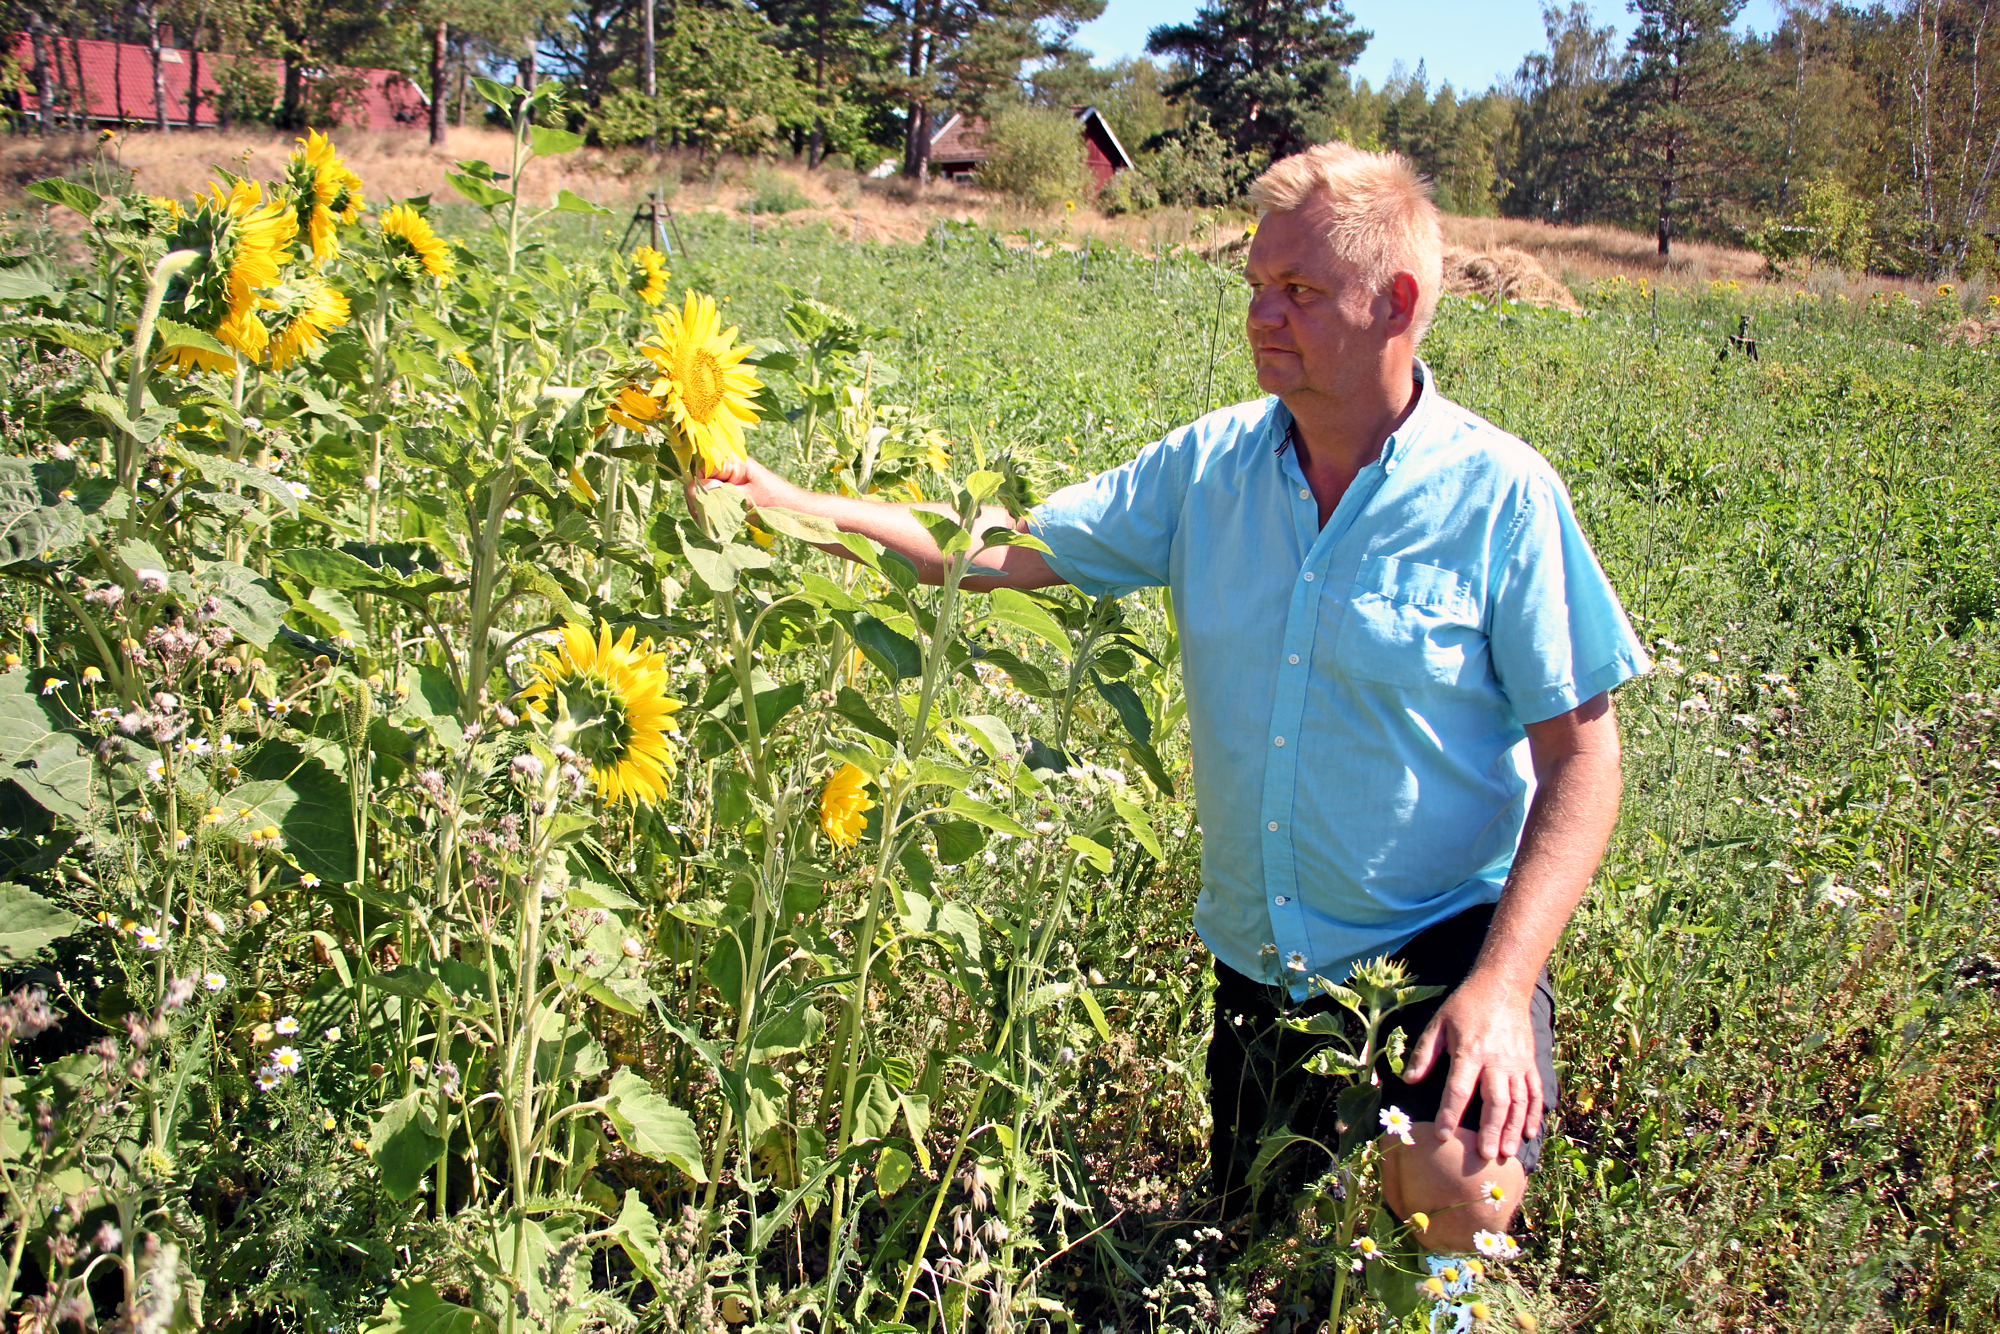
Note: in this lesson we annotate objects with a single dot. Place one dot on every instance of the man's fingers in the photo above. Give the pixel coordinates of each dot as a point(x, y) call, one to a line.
point(1497, 1100)
point(1517, 1116)
point(1418, 1063)
point(1532, 1122)
point(1457, 1093)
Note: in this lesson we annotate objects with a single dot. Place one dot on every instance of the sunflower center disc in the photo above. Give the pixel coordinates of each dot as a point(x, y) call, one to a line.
point(602, 730)
point(701, 384)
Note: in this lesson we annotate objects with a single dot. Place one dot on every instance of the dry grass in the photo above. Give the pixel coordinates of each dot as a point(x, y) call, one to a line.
point(1581, 255)
point(398, 164)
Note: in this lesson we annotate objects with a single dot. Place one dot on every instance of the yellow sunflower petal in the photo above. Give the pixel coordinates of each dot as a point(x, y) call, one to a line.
point(709, 394)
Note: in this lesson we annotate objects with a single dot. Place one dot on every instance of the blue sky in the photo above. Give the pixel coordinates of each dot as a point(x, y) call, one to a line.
point(1470, 42)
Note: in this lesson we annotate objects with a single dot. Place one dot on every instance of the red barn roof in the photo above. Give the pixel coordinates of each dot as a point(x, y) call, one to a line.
point(118, 85)
point(959, 146)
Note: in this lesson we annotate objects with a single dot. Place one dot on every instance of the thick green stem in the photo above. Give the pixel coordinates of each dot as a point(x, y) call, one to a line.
point(170, 266)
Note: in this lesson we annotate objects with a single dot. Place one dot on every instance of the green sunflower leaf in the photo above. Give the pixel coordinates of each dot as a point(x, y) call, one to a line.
point(56, 190)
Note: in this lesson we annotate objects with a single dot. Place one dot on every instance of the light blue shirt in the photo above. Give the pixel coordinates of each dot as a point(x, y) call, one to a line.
point(1356, 693)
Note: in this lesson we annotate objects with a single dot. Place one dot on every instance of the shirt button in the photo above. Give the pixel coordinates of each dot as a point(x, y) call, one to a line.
point(1305, 493)
point(1273, 826)
point(1294, 659)
point(1281, 900)
point(1309, 576)
point(1281, 741)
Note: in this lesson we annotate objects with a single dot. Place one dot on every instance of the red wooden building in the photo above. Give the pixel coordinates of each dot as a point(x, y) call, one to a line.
point(959, 147)
point(116, 79)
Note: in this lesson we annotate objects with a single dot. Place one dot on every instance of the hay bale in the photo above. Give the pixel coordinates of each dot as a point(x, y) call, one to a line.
point(1504, 272)
point(1972, 331)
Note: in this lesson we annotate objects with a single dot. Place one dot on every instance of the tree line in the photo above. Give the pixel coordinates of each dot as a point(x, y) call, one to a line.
point(1862, 135)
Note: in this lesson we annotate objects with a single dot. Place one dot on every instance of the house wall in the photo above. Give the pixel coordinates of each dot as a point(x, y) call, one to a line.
point(118, 85)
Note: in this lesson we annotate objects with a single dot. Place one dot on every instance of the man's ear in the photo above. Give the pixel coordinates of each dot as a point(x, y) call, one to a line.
point(1402, 296)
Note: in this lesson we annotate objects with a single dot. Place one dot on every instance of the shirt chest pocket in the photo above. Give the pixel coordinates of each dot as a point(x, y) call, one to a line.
point(1410, 625)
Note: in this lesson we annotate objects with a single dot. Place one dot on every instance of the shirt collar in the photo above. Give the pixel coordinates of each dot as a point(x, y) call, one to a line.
point(1399, 441)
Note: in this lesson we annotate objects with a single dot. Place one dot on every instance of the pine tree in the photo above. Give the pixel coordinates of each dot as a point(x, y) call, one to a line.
point(1681, 114)
point(1264, 70)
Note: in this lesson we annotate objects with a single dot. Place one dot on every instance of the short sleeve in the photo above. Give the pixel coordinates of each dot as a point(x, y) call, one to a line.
point(1557, 633)
point(1114, 534)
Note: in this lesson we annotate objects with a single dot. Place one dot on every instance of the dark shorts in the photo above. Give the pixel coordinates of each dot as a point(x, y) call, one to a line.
point(1257, 1085)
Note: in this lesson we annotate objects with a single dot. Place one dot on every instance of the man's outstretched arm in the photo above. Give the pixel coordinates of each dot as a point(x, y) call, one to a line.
point(893, 526)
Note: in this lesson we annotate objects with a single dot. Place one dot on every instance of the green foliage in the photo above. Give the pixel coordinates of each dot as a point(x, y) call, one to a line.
point(1194, 169)
point(773, 193)
point(723, 87)
point(1830, 228)
point(1263, 70)
point(1035, 156)
point(1128, 192)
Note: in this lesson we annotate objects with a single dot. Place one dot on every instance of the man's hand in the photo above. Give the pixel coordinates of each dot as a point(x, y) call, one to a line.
point(1484, 1025)
point(1490, 1039)
point(746, 472)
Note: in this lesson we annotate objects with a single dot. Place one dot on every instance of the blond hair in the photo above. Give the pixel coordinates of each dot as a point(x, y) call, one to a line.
point(1383, 219)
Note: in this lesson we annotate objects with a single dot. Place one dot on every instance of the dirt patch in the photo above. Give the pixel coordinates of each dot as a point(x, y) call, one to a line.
point(1504, 274)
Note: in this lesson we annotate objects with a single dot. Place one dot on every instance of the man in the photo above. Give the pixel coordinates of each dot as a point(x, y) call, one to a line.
point(1397, 649)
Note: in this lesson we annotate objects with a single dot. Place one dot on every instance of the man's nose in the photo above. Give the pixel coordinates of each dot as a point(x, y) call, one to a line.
point(1264, 313)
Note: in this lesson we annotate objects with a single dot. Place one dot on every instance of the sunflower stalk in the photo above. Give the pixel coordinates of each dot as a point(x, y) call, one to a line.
point(171, 265)
point(957, 564)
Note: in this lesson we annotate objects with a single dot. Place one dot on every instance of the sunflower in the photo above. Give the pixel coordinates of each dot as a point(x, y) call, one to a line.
point(706, 387)
point(244, 240)
point(615, 708)
point(634, 408)
point(408, 237)
point(843, 806)
point(315, 306)
point(324, 192)
point(648, 278)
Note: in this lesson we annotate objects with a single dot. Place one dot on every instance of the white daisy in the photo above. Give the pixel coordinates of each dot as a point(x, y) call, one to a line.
point(1397, 1122)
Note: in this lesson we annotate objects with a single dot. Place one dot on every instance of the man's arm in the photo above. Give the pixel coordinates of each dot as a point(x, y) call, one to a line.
point(893, 526)
point(1484, 1024)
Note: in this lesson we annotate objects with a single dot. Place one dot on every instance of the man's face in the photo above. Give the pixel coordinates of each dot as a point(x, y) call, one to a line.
point(1314, 326)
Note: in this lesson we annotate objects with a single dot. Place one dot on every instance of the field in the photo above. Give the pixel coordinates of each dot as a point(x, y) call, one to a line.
point(565, 1062)
point(782, 194)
